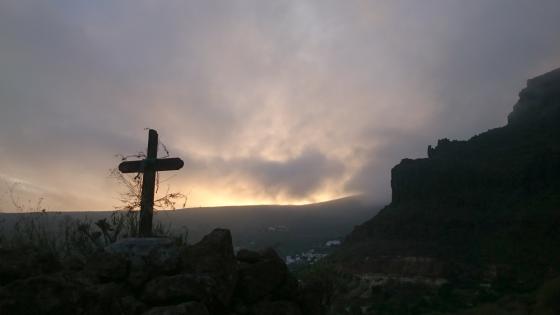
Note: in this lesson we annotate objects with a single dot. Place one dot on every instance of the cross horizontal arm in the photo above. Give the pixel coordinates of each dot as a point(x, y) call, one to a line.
point(169, 164)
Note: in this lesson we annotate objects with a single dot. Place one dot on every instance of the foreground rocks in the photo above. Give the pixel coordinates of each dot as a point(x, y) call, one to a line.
point(154, 276)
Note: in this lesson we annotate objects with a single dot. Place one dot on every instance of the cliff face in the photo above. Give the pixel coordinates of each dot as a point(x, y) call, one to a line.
point(521, 158)
point(538, 102)
point(494, 199)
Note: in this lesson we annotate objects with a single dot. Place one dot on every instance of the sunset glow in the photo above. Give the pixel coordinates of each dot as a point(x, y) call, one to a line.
point(267, 102)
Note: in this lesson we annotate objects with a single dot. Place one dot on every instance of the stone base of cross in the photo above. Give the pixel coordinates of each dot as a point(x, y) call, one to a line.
point(149, 166)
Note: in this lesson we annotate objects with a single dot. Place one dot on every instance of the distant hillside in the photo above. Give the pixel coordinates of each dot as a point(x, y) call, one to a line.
point(492, 202)
point(290, 229)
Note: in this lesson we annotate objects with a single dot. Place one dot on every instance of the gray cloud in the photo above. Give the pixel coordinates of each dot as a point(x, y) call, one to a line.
point(287, 101)
point(297, 177)
point(480, 54)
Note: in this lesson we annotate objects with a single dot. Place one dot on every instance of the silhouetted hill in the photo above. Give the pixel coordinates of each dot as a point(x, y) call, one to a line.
point(486, 204)
point(290, 229)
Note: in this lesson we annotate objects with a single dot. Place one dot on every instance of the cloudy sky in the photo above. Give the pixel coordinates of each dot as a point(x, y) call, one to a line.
point(266, 101)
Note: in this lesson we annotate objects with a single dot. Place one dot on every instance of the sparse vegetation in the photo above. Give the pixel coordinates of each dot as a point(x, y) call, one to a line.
point(41, 230)
point(65, 236)
point(131, 197)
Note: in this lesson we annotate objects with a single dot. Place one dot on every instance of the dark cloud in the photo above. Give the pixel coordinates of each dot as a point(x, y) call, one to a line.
point(296, 178)
point(492, 51)
point(244, 90)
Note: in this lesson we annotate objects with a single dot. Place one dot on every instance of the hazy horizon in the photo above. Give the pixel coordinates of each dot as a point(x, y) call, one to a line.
point(30, 207)
point(266, 102)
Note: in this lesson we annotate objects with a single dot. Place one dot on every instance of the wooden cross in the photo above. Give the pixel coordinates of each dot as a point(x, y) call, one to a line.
point(149, 166)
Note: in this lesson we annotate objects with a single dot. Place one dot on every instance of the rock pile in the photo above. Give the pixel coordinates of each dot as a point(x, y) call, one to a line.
point(153, 276)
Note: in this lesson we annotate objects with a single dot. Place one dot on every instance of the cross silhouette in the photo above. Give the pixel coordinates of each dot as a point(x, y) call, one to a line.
point(149, 166)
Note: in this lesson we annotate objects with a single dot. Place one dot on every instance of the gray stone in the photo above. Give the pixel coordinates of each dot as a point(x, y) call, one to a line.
point(162, 253)
point(105, 298)
point(214, 256)
point(277, 308)
point(142, 247)
point(262, 278)
point(130, 305)
point(147, 257)
point(189, 308)
point(107, 266)
point(52, 294)
point(23, 263)
point(248, 256)
point(183, 287)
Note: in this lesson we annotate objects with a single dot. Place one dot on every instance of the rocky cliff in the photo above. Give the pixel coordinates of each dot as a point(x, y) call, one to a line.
point(489, 203)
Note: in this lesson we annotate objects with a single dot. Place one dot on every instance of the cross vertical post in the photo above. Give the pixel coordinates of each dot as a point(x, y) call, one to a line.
point(148, 186)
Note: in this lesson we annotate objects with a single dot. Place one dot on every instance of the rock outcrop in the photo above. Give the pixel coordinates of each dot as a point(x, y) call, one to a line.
point(489, 203)
point(538, 102)
point(152, 276)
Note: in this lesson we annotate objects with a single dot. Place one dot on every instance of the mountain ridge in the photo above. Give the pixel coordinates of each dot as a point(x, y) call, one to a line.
point(491, 200)
point(291, 229)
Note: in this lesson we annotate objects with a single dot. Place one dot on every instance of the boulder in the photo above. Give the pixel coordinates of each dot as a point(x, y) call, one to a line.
point(74, 262)
point(105, 298)
point(152, 276)
point(161, 253)
point(277, 308)
point(179, 288)
point(107, 267)
point(260, 279)
point(130, 305)
point(190, 308)
point(45, 294)
point(23, 263)
point(248, 256)
point(160, 248)
point(214, 256)
point(147, 258)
